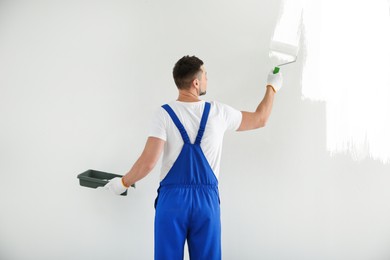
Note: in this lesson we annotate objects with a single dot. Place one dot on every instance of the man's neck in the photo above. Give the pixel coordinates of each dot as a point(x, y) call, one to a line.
point(187, 97)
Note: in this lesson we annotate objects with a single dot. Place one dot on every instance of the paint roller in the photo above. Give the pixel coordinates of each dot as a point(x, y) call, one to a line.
point(283, 52)
point(284, 45)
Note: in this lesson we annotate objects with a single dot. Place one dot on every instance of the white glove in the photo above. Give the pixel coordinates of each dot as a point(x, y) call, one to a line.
point(275, 80)
point(116, 186)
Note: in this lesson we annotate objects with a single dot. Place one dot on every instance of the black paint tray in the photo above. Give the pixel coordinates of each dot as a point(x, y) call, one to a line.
point(94, 179)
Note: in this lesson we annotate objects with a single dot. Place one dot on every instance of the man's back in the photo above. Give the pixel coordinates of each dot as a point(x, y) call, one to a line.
point(221, 118)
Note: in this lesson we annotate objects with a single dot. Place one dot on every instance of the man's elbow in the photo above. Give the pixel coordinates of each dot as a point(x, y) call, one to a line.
point(261, 123)
point(145, 166)
point(261, 120)
point(148, 167)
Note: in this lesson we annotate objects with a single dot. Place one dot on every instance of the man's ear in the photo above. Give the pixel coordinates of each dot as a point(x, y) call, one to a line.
point(196, 82)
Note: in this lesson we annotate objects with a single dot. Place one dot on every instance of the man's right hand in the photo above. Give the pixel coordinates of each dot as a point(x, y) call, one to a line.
point(275, 80)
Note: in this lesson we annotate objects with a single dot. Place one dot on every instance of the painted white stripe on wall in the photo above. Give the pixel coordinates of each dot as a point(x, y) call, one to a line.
point(347, 65)
point(288, 27)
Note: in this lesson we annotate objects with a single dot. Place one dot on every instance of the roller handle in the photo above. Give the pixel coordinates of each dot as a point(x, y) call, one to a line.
point(276, 70)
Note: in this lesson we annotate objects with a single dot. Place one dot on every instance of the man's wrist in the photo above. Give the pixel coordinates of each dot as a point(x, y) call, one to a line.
point(124, 184)
point(273, 89)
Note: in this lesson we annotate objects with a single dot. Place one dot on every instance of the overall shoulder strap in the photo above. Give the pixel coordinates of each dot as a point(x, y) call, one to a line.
point(177, 122)
point(203, 123)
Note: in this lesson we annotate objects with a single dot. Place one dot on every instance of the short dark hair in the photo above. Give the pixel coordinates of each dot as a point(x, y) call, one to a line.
point(185, 71)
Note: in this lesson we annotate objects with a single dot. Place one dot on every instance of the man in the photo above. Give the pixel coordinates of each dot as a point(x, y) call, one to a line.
point(190, 131)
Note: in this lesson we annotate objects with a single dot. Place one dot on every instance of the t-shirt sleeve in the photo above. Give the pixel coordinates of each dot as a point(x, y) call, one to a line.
point(158, 125)
point(232, 117)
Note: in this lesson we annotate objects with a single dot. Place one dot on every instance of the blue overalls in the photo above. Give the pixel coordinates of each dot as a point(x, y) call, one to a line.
point(187, 204)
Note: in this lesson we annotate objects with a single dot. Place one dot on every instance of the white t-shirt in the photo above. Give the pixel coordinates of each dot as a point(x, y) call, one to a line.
point(221, 118)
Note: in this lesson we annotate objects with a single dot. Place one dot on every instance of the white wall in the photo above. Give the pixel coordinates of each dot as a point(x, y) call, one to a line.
point(79, 81)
